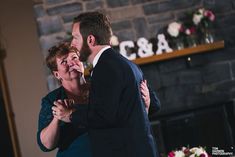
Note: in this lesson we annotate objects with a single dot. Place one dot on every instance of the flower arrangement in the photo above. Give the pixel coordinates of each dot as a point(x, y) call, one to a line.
point(174, 29)
point(195, 29)
point(190, 30)
point(187, 152)
point(203, 17)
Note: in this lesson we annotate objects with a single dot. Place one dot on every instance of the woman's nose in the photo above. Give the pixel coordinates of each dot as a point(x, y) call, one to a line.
point(71, 63)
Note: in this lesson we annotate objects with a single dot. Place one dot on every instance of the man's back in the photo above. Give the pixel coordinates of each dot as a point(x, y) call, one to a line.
point(117, 119)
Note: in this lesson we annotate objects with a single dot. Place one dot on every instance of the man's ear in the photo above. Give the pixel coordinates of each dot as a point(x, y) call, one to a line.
point(91, 40)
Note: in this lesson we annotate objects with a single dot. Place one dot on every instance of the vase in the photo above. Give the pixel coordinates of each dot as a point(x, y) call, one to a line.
point(191, 40)
point(208, 36)
point(178, 43)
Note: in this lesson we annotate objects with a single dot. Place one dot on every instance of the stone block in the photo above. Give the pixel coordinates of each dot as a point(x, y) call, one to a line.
point(169, 79)
point(156, 7)
point(218, 6)
point(176, 94)
point(47, 42)
point(67, 18)
point(226, 54)
point(152, 75)
point(185, 4)
point(125, 35)
point(233, 3)
point(166, 6)
point(54, 2)
point(94, 5)
point(66, 8)
point(141, 27)
point(52, 83)
point(117, 26)
point(217, 97)
point(39, 10)
point(195, 101)
point(117, 3)
point(172, 65)
point(48, 25)
point(140, 1)
point(228, 36)
point(159, 18)
point(216, 72)
point(233, 68)
point(68, 28)
point(156, 29)
point(227, 20)
point(190, 77)
point(125, 13)
point(228, 85)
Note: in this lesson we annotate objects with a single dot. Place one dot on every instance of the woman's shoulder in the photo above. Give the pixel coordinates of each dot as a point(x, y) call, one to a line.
point(57, 93)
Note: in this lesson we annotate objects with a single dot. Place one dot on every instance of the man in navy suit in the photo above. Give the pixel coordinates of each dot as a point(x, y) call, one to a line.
point(116, 118)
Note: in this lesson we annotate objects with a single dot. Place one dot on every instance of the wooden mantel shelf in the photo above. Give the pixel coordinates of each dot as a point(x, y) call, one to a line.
point(179, 53)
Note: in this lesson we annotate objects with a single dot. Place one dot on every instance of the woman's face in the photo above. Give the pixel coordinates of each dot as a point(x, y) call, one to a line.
point(68, 67)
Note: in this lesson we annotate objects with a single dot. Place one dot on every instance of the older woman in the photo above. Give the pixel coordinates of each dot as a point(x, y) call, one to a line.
point(71, 141)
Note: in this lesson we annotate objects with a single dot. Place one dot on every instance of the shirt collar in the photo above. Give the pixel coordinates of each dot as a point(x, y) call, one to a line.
point(98, 55)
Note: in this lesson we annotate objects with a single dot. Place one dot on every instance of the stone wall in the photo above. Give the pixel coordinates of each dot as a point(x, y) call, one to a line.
point(181, 84)
point(206, 79)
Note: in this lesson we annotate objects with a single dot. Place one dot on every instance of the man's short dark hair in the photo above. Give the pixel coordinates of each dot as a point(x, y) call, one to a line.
point(96, 24)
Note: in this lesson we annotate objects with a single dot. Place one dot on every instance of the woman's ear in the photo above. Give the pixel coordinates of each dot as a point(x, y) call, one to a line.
point(57, 75)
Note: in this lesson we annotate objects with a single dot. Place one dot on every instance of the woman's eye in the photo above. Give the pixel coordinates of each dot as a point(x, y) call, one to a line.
point(64, 62)
point(75, 58)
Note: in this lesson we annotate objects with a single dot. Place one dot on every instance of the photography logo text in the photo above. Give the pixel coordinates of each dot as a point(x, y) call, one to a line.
point(216, 151)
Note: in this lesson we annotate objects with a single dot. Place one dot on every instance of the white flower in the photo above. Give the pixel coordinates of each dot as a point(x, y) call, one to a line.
point(179, 153)
point(187, 31)
point(201, 11)
point(114, 40)
point(174, 29)
point(198, 151)
point(197, 18)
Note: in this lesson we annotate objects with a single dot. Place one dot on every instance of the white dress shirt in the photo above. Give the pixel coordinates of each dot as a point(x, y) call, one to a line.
point(98, 55)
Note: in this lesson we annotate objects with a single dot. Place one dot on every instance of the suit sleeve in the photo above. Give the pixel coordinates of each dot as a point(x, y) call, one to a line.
point(106, 88)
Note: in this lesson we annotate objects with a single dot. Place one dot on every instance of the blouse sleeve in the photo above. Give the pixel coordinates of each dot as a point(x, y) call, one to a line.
point(45, 117)
point(155, 104)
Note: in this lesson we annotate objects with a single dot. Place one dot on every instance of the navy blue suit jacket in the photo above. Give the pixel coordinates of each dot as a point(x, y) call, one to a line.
point(116, 118)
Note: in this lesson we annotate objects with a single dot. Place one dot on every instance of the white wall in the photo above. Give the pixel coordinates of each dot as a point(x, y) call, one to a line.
point(25, 73)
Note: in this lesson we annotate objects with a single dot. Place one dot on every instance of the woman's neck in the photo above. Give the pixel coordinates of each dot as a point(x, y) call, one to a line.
point(72, 87)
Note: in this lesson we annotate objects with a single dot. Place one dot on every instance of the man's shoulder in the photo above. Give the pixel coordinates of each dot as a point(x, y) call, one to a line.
point(111, 56)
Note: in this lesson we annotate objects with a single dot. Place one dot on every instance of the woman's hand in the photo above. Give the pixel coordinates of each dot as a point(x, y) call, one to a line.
point(62, 110)
point(145, 94)
point(78, 65)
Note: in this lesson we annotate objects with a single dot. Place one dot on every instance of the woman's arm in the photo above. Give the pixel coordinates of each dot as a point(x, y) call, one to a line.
point(48, 127)
point(50, 135)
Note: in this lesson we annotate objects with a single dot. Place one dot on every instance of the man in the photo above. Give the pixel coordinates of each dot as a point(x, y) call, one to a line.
point(116, 118)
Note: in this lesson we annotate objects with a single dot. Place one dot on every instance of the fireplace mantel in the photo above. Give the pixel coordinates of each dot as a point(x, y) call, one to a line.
point(179, 53)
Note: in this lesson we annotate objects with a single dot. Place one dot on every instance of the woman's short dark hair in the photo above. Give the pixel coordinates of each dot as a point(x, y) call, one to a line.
point(96, 24)
point(59, 50)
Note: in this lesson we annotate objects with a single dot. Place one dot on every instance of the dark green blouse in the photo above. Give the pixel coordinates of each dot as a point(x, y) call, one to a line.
point(73, 140)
